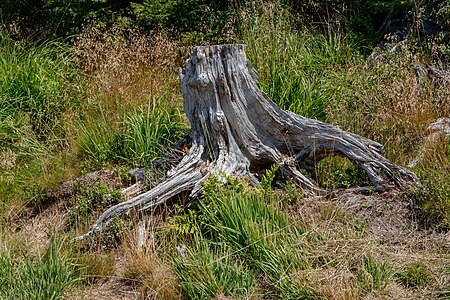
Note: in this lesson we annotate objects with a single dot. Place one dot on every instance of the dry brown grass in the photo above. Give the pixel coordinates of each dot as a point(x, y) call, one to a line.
point(96, 266)
point(389, 236)
point(127, 67)
point(329, 283)
point(387, 102)
point(154, 275)
point(433, 154)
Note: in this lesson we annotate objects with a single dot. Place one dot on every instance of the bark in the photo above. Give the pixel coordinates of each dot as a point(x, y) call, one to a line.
point(237, 130)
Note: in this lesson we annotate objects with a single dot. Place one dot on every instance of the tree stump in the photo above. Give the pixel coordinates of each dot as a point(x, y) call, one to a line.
point(237, 130)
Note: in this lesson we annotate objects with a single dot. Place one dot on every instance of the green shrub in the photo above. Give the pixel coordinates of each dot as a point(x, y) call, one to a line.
point(205, 17)
point(92, 200)
point(60, 18)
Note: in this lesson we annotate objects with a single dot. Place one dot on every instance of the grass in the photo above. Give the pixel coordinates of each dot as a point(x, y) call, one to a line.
point(210, 270)
point(293, 63)
point(384, 101)
point(47, 276)
point(241, 242)
point(34, 92)
point(432, 201)
point(140, 136)
point(414, 275)
point(240, 227)
point(36, 97)
point(133, 112)
point(154, 273)
point(93, 266)
point(374, 274)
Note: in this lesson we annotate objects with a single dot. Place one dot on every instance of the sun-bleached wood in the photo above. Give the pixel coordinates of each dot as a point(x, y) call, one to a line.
point(237, 130)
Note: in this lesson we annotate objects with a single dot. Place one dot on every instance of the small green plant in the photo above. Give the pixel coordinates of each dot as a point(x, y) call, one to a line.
point(268, 178)
point(293, 193)
point(187, 223)
point(414, 276)
point(89, 201)
point(338, 172)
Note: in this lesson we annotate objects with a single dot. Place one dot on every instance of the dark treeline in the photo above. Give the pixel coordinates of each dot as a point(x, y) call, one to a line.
point(367, 20)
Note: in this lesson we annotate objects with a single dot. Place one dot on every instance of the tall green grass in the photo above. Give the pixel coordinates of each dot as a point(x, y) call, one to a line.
point(48, 276)
point(293, 63)
point(138, 137)
point(37, 93)
point(35, 80)
point(236, 226)
point(211, 269)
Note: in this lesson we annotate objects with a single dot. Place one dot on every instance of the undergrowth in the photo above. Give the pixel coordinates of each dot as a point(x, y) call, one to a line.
point(48, 276)
point(86, 203)
point(240, 230)
point(137, 138)
point(113, 98)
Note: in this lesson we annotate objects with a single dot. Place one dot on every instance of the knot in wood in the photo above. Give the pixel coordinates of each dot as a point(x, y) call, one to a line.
point(201, 57)
point(202, 79)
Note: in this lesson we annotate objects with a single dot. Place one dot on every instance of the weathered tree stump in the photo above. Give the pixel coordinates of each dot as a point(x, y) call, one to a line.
point(237, 130)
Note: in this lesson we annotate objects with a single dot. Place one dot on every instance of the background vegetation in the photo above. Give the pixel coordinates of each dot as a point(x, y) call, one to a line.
point(89, 90)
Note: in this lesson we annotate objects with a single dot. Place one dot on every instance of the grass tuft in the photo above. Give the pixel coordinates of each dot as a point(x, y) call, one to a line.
point(374, 274)
point(414, 276)
point(210, 269)
point(139, 136)
point(243, 225)
point(45, 277)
